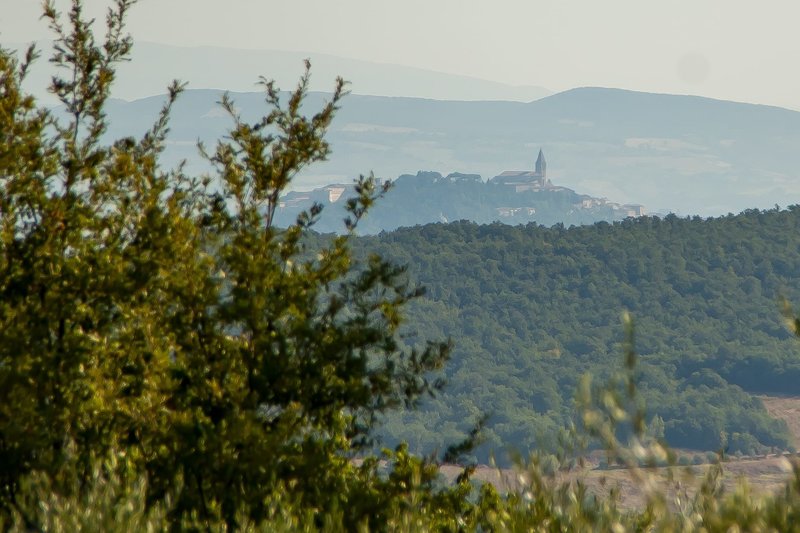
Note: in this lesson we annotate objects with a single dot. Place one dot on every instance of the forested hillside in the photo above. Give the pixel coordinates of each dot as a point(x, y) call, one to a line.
point(532, 308)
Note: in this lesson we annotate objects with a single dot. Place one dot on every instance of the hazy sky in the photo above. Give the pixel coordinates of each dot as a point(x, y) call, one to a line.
point(732, 49)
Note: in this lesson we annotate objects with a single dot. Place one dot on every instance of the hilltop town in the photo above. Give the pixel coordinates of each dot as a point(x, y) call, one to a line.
point(513, 197)
point(537, 181)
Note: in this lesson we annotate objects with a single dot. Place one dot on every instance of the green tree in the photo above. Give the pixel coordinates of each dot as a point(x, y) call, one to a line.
point(165, 321)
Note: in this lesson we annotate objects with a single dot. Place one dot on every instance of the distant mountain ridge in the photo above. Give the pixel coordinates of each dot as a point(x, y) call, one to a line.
point(690, 155)
point(154, 65)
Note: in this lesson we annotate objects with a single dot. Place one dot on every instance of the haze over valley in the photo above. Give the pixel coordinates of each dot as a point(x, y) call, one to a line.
point(153, 65)
point(682, 154)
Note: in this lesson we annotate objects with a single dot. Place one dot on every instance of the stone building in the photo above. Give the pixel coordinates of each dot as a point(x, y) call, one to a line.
point(526, 180)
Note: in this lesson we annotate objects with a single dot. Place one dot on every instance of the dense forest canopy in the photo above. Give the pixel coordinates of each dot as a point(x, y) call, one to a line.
point(532, 308)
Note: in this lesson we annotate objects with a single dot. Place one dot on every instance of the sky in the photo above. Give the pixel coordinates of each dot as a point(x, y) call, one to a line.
point(730, 49)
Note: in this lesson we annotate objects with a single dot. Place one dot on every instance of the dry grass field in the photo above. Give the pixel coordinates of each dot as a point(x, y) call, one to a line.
point(785, 408)
point(764, 474)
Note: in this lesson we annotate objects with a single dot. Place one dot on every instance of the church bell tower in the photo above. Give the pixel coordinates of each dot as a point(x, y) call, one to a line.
point(541, 165)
